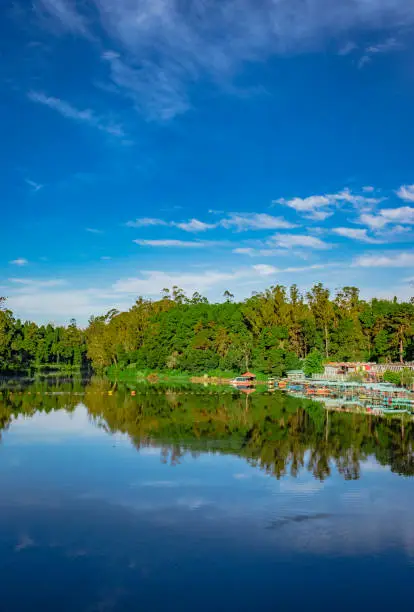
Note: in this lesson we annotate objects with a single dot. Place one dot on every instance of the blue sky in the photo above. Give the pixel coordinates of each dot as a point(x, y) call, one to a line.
point(213, 145)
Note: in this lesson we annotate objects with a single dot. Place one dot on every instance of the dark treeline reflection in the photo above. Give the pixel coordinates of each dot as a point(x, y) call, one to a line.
point(276, 433)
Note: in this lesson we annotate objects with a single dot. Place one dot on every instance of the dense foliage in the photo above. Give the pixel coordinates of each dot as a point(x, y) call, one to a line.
point(273, 331)
point(26, 345)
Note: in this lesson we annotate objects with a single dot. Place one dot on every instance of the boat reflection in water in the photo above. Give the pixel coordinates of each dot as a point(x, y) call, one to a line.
point(380, 398)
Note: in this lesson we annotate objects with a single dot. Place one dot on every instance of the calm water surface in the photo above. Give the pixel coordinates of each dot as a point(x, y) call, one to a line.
point(186, 499)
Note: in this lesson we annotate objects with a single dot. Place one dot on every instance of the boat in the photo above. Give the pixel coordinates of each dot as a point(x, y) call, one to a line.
point(245, 380)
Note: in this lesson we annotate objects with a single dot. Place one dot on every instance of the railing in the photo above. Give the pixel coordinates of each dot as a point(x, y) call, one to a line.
point(334, 377)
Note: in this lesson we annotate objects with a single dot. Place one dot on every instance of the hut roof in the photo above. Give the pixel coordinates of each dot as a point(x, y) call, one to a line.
point(249, 375)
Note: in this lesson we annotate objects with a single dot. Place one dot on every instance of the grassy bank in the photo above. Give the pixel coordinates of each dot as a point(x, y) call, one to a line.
point(133, 374)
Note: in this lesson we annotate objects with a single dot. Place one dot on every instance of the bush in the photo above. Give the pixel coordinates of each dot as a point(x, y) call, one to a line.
point(313, 363)
point(392, 377)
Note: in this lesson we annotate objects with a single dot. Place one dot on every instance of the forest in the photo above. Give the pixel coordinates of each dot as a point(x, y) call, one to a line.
point(273, 331)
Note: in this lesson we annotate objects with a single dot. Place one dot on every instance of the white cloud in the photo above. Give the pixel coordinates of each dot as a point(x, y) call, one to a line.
point(310, 205)
point(146, 221)
point(167, 46)
point(152, 282)
point(20, 261)
point(35, 186)
point(406, 193)
point(251, 252)
point(244, 251)
point(374, 221)
point(404, 214)
point(391, 44)
point(194, 225)
point(306, 204)
point(356, 200)
point(33, 282)
point(157, 92)
point(255, 221)
point(347, 48)
point(265, 270)
point(64, 14)
point(171, 243)
point(312, 267)
point(86, 116)
point(286, 241)
point(368, 189)
point(385, 216)
point(364, 60)
point(44, 300)
point(319, 215)
point(388, 45)
point(397, 260)
point(236, 221)
point(355, 234)
point(93, 230)
point(46, 304)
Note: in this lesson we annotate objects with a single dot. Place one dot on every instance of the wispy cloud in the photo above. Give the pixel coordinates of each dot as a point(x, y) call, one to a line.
point(402, 215)
point(93, 230)
point(152, 282)
point(307, 204)
point(20, 261)
point(347, 48)
point(319, 215)
point(255, 221)
point(286, 241)
point(406, 193)
point(146, 221)
point(64, 14)
point(86, 116)
point(265, 270)
point(310, 206)
point(251, 252)
point(386, 46)
point(182, 244)
point(375, 222)
point(169, 45)
point(194, 225)
point(356, 234)
point(34, 282)
point(392, 260)
point(390, 44)
point(35, 186)
point(156, 91)
point(237, 221)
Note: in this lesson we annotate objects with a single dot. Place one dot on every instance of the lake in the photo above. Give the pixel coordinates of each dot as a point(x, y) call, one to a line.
point(192, 498)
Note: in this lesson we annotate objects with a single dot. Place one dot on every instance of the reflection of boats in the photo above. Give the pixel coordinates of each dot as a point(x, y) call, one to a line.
point(379, 398)
point(394, 411)
point(245, 380)
point(247, 390)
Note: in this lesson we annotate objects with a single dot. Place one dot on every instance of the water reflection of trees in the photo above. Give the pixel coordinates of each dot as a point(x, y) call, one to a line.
point(276, 433)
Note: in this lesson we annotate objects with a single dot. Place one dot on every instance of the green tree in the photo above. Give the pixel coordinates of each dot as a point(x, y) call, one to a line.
point(313, 363)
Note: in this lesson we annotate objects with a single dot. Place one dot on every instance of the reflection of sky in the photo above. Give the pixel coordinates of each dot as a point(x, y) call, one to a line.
point(70, 491)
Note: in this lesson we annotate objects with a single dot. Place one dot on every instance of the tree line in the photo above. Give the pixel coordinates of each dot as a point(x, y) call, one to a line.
point(271, 332)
